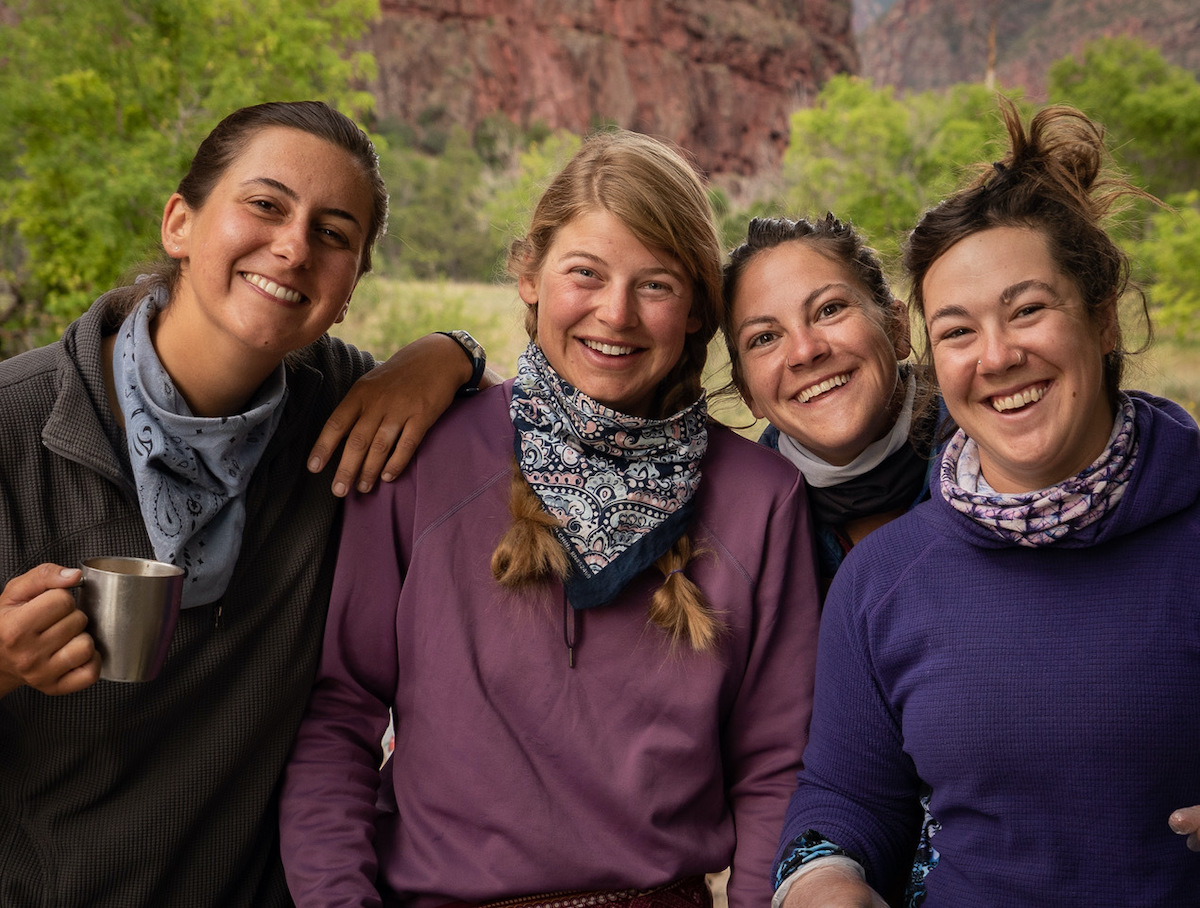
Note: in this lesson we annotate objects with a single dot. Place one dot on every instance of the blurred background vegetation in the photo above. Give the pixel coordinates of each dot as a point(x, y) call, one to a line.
point(102, 104)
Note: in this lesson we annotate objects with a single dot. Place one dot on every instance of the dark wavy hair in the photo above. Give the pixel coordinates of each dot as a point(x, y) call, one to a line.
point(835, 239)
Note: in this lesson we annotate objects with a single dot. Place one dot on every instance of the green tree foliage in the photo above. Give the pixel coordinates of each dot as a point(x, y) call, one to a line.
point(1167, 260)
point(454, 214)
point(102, 103)
point(880, 160)
point(511, 204)
point(1150, 108)
point(1151, 113)
point(436, 227)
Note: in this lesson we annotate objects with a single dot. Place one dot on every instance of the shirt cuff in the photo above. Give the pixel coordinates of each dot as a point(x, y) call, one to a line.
point(827, 861)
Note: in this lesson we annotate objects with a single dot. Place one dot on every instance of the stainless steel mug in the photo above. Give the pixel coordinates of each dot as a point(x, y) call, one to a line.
point(132, 605)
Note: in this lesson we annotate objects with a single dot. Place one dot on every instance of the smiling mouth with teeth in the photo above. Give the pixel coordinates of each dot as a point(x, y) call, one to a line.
point(828, 385)
point(609, 349)
point(269, 286)
point(1016, 401)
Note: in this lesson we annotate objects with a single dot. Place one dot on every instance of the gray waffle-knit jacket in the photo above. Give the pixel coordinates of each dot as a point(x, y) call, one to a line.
point(159, 793)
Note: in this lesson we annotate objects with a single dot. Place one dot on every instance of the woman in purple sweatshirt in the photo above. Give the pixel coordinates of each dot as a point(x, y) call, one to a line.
point(590, 611)
point(1023, 643)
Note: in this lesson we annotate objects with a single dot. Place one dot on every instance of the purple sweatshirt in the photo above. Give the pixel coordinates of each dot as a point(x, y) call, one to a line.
point(513, 772)
point(1047, 696)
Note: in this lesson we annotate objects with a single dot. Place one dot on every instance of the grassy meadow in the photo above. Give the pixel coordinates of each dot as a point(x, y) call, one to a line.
point(386, 314)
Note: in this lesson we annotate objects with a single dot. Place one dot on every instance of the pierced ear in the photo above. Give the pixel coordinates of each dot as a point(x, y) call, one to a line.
point(176, 226)
point(900, 330)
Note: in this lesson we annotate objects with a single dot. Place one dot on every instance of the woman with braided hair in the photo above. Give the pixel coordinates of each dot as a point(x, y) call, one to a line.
point(590, 611)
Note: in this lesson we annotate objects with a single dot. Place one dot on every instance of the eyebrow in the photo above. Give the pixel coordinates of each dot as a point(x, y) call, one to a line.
point(1011, 293)
point(805, 303)
point(592, 257)
point(294, 196)
point(1007, 295)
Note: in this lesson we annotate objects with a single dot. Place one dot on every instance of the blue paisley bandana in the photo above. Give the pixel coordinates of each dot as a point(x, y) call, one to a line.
point(190, 471)
point(621, 487)
point(1043, 516)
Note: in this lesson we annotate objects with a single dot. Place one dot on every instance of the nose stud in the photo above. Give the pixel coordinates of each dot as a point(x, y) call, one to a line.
point(979, 362)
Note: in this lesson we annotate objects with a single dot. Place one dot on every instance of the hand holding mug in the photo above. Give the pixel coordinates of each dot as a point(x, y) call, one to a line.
point(43, 637)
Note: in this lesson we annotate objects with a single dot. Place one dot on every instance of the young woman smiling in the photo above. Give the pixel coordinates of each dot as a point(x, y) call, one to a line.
point(172, 421)
point(1018, 645)
point(816, 341)
point(597, 657)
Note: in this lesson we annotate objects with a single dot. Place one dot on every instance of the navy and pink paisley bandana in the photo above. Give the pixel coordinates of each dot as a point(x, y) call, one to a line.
point(621, 487)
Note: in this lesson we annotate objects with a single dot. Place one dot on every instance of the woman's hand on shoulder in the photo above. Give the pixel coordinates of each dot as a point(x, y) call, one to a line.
point(43, 637)
point(1187, 822)
point(832, 886)
point(387, 412)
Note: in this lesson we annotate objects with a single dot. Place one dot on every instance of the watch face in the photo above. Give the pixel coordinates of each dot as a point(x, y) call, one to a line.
point(469, 344)
point(475, 350)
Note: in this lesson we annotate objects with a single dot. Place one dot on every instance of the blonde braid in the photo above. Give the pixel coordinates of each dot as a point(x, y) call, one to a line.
point(528, 552)
point(678, 606)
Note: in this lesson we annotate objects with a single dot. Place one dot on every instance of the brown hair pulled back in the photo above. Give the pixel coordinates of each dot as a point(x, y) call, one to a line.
point(228, 140)
point(833, 238)
point(1053, 180)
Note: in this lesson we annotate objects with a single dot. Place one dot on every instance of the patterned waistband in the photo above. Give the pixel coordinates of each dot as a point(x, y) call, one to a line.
point(690, 892)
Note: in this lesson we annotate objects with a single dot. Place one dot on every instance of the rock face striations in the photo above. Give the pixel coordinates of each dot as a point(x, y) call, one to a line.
point(923, 44)
point(719, 77)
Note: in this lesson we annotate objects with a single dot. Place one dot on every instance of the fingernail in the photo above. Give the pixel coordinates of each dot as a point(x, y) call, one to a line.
point(388, 477)
point(364, 487)
point(68, 572)
point(339, 489)
point(314, 464)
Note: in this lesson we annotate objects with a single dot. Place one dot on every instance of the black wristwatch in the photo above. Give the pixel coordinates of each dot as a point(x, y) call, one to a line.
point(475, 353)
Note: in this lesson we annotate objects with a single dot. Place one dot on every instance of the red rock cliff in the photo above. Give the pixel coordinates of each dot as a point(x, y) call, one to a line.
point(923, 44)
point(718, 77)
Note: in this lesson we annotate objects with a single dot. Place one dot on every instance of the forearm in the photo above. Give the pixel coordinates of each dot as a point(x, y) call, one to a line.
point(832, 883)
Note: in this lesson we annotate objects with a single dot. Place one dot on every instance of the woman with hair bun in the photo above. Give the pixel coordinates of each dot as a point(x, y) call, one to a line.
point(590, 611)
point(1018, 645)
